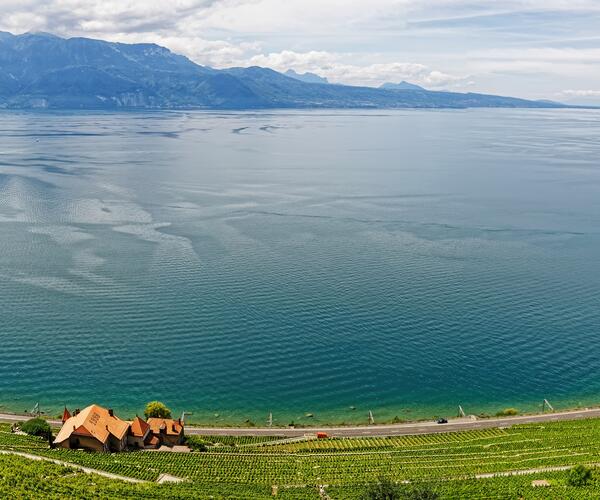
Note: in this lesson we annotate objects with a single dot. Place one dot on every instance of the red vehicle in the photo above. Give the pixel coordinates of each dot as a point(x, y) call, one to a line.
point(322, 435)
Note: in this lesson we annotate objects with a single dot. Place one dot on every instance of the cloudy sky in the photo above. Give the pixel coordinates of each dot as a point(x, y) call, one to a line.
point(530, 48)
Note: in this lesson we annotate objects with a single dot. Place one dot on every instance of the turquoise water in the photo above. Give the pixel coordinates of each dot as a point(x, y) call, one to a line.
point(235, 264)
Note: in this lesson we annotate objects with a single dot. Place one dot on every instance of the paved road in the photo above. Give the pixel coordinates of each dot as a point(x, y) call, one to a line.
point(461, 424)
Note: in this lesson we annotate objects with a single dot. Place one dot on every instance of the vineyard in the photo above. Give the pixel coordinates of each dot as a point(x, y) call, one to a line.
point(242, 467)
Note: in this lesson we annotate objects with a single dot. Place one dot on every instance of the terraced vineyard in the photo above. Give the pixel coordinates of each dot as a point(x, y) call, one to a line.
point(241, 440)
point(347, 465)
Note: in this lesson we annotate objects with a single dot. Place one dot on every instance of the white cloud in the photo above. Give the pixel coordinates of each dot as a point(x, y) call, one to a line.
point(551, 64)
point(545, 54)
point(352, 41)
point(337, 70)
point(181, 24)
point(581, 93)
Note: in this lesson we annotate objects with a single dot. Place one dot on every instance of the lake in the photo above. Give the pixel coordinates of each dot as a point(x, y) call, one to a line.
point(325, 262)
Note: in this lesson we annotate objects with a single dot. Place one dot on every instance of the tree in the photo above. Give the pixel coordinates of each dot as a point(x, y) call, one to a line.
point(156, 409)
point(420, 493)
point(384, 489)
point(507, 412)
point(196, 443)
point(580, 475)
point(36, 427)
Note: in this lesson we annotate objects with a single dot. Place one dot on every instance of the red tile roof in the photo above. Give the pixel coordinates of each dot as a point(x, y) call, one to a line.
point(66, 415)
point(168, 426)
point(138, 427)
point(94, 421)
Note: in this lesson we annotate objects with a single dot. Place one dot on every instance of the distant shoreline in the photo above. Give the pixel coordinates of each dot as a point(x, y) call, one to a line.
point(140, 109)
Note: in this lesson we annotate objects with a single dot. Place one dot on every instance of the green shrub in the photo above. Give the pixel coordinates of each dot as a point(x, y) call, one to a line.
point(156, 409)
point(196, 443)
point(36, 427)
point(420, 493)
point(508, 412)
point(383, 489)
point(580, 475)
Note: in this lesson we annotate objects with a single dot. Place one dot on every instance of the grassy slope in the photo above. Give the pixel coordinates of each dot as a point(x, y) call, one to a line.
point(345, 465)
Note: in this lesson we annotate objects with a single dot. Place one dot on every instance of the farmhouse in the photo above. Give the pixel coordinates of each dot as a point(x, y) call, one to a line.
point(169, 432)
point(93, 428)
point(99, 429)
point(140, 435)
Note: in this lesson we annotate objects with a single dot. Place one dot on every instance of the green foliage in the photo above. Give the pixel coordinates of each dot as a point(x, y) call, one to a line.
point(508, 412)
point(24, 479)
point(36, 427)
point(383, 489)
point(421, 492)
point(421, 467)
point(235, 441)
point(196, 443)
point(156, 409)
point(355, 461)
point(578, 476)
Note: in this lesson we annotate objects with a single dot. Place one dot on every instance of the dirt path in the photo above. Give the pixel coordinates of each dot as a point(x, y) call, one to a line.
point(87, 470)
point(322, 491)
point(524, 472)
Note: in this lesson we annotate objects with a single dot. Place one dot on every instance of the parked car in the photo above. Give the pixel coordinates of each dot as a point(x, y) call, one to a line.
point(442, 421)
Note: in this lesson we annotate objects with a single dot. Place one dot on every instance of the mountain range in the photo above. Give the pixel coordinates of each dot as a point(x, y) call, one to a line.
point(306, 77)
point(41, 70)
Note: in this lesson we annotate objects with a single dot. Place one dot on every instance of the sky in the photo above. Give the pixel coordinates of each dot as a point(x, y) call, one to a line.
point(542, 49)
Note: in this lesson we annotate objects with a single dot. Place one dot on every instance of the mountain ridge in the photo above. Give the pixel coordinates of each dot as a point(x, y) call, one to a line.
point(403, 85)
point(307, 77)
point(42, 70)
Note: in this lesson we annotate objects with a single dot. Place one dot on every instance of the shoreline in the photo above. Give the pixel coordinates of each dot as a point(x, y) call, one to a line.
point(313, 418)
point(381, 430)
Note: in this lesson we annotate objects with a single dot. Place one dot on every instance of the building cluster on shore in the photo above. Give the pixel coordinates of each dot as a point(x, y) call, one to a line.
point(99, 429)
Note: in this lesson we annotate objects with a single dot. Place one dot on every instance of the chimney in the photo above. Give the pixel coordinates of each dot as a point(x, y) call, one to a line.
point(111, 412)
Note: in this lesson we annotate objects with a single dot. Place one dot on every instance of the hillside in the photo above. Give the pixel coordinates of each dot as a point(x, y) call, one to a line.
point(490, 463)
point(40, 70)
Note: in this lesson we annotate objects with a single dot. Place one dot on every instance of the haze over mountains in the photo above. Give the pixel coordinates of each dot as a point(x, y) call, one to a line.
point(306, 77)
point(40, 70)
